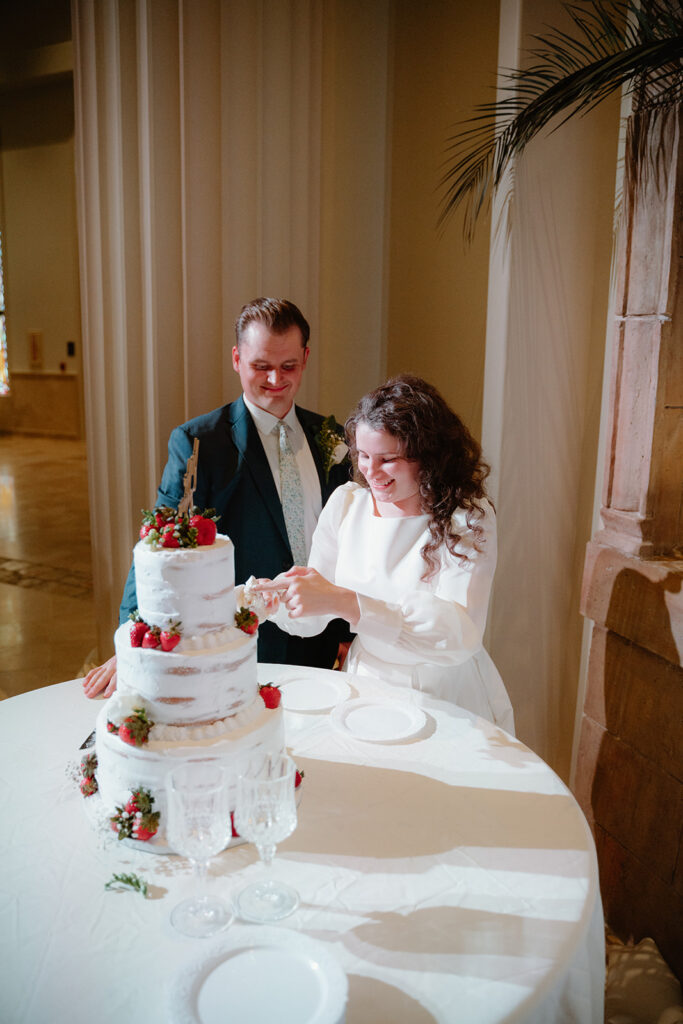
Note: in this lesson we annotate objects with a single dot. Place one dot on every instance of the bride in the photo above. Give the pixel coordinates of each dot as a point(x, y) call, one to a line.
point(406, 554)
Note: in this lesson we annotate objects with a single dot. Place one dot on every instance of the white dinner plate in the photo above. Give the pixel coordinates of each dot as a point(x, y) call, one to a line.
point(261, 975)
point(320, 694)
point(379, 723)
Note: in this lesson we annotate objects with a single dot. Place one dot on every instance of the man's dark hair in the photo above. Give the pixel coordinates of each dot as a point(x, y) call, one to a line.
point(277, 314)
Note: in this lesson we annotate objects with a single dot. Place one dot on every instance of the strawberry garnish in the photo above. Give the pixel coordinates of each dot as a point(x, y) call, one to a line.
point(152, 637)
point(169, 536)
point(170, 637)
point(298, 777)
point(136, 819)
point(138, 628)
point(134, 729)
point(271, 695)
point(146, 827)
point(206, 530)
point(246, 621)
point(164, 514)
point(88, 784)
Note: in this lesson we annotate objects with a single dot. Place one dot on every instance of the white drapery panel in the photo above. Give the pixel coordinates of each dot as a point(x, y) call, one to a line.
point(200, 156)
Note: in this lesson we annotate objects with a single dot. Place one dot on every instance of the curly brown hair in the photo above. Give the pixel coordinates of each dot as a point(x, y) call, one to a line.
point(451, 469)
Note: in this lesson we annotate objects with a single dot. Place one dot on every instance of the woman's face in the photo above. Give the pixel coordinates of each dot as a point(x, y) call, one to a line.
point(392, 478)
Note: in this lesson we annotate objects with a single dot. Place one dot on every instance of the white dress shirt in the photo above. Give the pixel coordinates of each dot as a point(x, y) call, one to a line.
point(310, 482)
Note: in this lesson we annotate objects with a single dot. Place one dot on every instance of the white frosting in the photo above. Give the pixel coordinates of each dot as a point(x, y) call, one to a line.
point(122, 768)
point(189, 686)
point(121, 705)
point(193, 586)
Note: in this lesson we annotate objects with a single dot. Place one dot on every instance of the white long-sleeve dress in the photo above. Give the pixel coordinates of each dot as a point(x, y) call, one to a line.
point(425, 635)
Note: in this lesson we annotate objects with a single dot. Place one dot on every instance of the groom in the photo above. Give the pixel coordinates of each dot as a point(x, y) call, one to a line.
point(239, 474)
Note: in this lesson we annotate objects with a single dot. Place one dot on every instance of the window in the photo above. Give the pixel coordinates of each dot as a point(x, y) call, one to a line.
point(4, 372)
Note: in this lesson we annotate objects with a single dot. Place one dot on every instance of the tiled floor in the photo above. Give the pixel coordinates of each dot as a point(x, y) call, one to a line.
point(47, 625)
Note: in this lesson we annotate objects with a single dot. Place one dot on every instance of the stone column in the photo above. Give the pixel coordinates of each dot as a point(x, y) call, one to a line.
point(629, 776)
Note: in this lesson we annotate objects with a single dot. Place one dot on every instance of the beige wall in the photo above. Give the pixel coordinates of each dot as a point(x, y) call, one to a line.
point(40, 250)
point(444, 61)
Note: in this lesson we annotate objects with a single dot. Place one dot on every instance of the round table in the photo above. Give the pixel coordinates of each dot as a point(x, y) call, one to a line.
point(451, 873)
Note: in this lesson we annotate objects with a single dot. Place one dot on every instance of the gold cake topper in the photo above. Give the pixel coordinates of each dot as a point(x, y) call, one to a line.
point(189, 479)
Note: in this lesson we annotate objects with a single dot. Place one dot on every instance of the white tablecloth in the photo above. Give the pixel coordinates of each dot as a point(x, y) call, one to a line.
point(452, 875)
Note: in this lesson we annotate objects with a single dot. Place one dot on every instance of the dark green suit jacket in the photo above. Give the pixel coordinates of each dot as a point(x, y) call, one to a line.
point(234, 478)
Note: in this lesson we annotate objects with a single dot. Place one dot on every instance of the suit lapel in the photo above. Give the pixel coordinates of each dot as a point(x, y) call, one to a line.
point(248, 443)
point(311, 424)
point(310, 427)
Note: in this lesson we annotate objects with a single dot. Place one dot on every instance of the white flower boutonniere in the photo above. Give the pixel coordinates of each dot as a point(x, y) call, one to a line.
point(332, 447)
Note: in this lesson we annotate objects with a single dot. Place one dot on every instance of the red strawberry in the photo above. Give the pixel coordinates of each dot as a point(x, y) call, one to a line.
point(145, 827)
point(134, 802)
point(136, 819)
point(169, 537)
point(137, 633)
point(297, 778)
point(88, 786)
point(170, 637)
point(126, 734)
point(164, 514)
point(149, 522)
point(206, 530)
point(271, 695)
point(134, 729)
point(246, 621)
point(152, 637)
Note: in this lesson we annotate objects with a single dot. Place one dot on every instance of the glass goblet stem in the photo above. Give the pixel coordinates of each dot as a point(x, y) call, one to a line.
point(266, 852)
point(199, 870)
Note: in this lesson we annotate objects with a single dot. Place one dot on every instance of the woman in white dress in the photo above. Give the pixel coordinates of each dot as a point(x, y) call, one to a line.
point(406, 554)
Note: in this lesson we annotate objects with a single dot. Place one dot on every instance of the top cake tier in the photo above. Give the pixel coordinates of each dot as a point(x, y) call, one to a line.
point(193, 586)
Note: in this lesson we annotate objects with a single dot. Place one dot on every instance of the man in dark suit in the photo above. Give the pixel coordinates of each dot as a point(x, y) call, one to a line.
point(239, 474)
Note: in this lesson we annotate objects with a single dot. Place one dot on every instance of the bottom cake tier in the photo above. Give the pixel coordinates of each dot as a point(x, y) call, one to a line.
point(236, 742)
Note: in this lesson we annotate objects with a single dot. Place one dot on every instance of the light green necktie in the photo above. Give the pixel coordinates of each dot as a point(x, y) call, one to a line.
point(291, 497)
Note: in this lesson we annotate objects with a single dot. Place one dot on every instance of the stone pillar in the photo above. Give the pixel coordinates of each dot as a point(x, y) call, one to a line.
point(629, 777)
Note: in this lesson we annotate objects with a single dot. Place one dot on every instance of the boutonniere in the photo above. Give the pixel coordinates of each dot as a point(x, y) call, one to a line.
point(329, 441)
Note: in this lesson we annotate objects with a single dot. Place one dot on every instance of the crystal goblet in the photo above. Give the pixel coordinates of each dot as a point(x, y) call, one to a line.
point(265, 814)
point(198, 827)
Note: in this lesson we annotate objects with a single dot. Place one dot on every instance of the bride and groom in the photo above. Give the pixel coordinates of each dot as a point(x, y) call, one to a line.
point(402, 559)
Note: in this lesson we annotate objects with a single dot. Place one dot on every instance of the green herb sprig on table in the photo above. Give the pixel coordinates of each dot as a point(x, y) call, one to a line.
point(128, 882)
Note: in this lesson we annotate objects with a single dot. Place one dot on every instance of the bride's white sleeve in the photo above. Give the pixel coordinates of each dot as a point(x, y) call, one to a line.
point(323, 557)
point(443, 625)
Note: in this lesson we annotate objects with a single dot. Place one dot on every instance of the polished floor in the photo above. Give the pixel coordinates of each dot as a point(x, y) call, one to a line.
point(47, 622)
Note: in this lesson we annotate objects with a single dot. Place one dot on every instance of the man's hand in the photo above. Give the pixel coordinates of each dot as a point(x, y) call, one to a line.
point(101, 678)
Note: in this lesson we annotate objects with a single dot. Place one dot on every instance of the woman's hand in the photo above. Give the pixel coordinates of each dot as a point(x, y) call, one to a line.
point(101, 678)
point(309, 593)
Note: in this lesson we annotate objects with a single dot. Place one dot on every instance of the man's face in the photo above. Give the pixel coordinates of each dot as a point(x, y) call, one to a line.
point(270, 366)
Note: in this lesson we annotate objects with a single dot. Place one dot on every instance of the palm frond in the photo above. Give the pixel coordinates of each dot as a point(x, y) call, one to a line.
point(615, 44)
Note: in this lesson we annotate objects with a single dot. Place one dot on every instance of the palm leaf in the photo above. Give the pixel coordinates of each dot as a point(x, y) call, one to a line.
point(615, 44)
